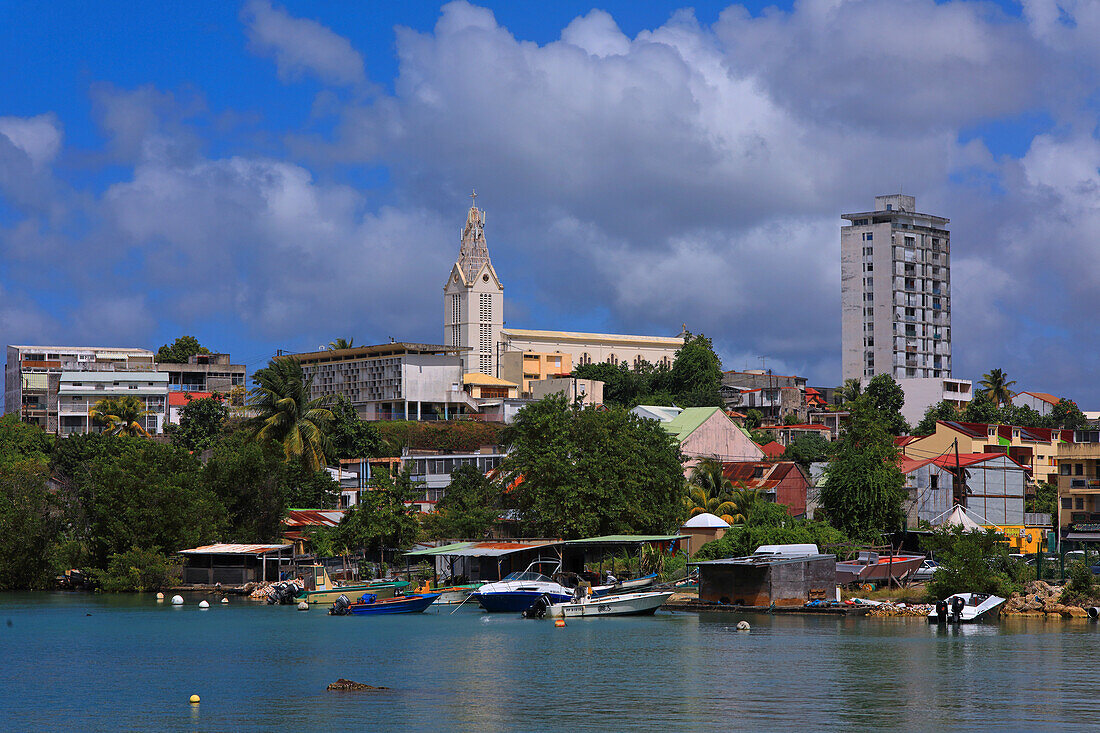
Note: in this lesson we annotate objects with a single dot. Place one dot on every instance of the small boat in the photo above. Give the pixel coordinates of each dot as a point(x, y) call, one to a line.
point(965, 608)
point(518, 591)
point(324, 590)
point(625, 586)
point(452, 595)
point(623, 604)
point(873, 567)
point(369, 605)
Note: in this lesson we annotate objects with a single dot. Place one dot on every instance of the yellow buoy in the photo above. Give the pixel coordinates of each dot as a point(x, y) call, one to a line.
point(559, 622)
point(194, 699)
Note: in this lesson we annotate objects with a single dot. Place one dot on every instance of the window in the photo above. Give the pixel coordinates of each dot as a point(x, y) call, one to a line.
point(1079, 503)
point(665, 361)
point(1067, 503)
point(613, 360)
point(868, 251)
point(934, 481)
point(869, 267)
point(638, 361)
point(586, 358)
point(868, 236)
point(1079, 469)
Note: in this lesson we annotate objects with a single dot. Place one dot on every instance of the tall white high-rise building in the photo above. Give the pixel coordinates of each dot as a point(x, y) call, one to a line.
point(895, 276)
point(473, 299)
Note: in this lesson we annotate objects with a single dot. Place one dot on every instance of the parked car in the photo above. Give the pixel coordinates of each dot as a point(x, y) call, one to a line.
point(924, 572)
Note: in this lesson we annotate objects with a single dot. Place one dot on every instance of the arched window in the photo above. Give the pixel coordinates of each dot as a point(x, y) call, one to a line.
point(585, 358)
point(613, 360)
point(665, 361)
point(638, 361)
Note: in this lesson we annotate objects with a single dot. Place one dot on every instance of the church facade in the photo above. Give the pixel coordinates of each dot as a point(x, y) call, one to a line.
point(473, 320)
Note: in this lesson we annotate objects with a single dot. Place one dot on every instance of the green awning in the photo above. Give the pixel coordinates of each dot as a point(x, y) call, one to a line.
point(441, 550)
point(627, 539)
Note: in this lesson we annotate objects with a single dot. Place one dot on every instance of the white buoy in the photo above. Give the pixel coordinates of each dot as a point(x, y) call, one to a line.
point(177, 600)
point(204, 604)
point(303, 606)
point(225, 600)
point(160, 596)
point(742, 625)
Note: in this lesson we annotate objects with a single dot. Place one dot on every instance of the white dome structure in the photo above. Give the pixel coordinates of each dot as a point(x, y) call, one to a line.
point(706, 520)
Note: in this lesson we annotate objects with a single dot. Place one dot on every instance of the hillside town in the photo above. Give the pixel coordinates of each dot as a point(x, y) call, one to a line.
point(420, 454)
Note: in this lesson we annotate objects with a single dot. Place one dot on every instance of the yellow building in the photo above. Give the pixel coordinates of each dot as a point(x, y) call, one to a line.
point(524, 367)
point(483, 387)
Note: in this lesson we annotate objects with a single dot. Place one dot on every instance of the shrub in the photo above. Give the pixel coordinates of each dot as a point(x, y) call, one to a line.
point(972, 562)
point(135, 570)
point(1081, 583)
point(769, 524)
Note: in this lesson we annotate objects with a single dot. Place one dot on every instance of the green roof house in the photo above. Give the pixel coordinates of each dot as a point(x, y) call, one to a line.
point(704, 432)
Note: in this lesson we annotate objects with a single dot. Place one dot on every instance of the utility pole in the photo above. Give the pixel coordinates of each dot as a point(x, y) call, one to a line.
point(960, 482)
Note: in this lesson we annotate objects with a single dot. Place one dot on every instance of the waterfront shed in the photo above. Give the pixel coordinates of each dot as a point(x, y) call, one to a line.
point(233, 564)
point(703, 528)
point(766, 580)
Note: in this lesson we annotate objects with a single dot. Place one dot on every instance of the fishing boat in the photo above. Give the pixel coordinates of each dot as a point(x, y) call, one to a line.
point(622, 604)
point(369, 605)
point(965, 608)
point(871, 567)
point(625, 586)
point(324, 590)
point(518, 591)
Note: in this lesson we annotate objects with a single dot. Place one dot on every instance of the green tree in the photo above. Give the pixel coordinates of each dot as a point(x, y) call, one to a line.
point(136, 570)
point(20, 441)
point(888, 398)
point(337, 344)
point(182, 349)
point(1021, 415)
point(770, 524)
point(351, 436)
point(152, 498)
point(753, 418)
point(997, 387)
point(588, 472)
point(250, 480)
point(121, 415)
point(971, 562)
point(981, 409)
point(807, 449)
point(383, 518)
point(30, 524)
point(468, 509)
point(1066, 415)
point(708, 490)
point(288, 416)
point(850, 390)
point(697, 374)
point(1045, 500)
point(864, 489)
point(201, 423)
point(309, 489)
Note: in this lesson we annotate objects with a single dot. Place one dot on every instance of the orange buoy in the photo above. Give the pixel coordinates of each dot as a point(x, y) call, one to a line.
point(559, 622)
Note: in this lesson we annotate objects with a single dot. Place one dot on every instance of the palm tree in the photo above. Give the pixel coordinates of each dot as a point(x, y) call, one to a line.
point(997, 387)
point(850, 390)
point(121, 416)
point(708, 491)
point(745, 500)
point(287, 415)
point(337, 344)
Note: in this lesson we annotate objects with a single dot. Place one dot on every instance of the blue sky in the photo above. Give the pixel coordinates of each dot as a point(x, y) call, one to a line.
point(274, 175)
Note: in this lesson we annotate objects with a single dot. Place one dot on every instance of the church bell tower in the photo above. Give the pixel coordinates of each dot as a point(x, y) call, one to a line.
point(473, 299)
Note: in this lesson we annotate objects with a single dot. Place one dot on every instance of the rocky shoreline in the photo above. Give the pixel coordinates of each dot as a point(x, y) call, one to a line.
point(1042, 600)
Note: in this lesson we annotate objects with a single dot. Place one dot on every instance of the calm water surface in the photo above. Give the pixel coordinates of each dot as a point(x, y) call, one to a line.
point(89, 662)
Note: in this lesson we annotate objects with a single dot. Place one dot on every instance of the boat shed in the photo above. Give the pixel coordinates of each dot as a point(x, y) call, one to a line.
point(764, 580)
point(486, 560)
point(233, 564)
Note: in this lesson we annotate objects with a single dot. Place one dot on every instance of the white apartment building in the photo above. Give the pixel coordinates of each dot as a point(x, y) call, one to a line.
point(32, 375)
point(79, 391)
point(895, 276)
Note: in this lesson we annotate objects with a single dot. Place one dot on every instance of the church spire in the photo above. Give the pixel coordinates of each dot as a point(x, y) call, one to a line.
point(473, 252)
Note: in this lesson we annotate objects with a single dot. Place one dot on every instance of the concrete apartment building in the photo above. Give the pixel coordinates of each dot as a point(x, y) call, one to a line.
point(895, 275)
point(394, 381)
point(525, 367)
point(473, 322)
point(32, 375)
point(774, 395)
point(78, 392)
point(1079, 487)
point(204, 373)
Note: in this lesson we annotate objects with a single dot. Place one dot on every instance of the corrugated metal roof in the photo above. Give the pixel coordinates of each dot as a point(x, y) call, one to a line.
point(313, 517)
point(759, 560)
point(485, 380)
point(688, 421)
point(627, 539)
point(441, 550)
point(235, 549)
point(483, 549)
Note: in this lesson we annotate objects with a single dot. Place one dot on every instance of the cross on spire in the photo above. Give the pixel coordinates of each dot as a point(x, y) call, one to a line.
point(473, 198)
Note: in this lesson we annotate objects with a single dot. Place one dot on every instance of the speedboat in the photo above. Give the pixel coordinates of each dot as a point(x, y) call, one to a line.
point(872, 567)
point(965, 608)
point(518, 591)
point(623, 604)
point(369, 605)
point(625, 586)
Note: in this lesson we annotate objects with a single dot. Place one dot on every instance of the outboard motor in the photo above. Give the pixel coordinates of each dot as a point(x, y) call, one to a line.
point(957, 606)
point(941, 611)
point(275, 593)
point(340, 606)
point(538, 608)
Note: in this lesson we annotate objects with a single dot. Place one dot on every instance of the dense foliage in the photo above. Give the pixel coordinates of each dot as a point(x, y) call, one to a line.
point(693, 380)
point(770, 524)
point(1045, 500)
point(454, 436)
point(864, 489)
point(201, 423)
point(182, 349)
point(586, 472)
point(381, 520)
point(351, 436)
point(288, 415)
point(468, 509)
point(972, 562)
point(136, 570)
point(807, 449)
point(983, 409)
point(888, 398)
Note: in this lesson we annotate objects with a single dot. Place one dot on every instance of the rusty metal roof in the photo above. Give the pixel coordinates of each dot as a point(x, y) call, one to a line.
point(235, 549)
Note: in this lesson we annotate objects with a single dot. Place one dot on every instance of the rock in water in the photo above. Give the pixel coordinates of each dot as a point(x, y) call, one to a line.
point(303, 606)
point(343, 684)
point(742, 625)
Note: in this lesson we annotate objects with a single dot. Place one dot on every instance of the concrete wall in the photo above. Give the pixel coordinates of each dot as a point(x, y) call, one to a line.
point(590, 390)
point(784, 583)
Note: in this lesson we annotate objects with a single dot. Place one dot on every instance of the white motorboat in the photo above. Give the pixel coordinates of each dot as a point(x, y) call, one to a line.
point(519, 591)
point(625, 586)
point(965, 608)
point(623, 604)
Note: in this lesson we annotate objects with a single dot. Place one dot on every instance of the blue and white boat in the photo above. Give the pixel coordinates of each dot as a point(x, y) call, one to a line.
point(518, 591)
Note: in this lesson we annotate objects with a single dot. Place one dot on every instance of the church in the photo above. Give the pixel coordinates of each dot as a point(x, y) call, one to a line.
point(473, 320)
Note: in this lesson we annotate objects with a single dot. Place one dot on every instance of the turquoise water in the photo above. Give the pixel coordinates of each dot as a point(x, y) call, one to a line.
point(132, 664)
